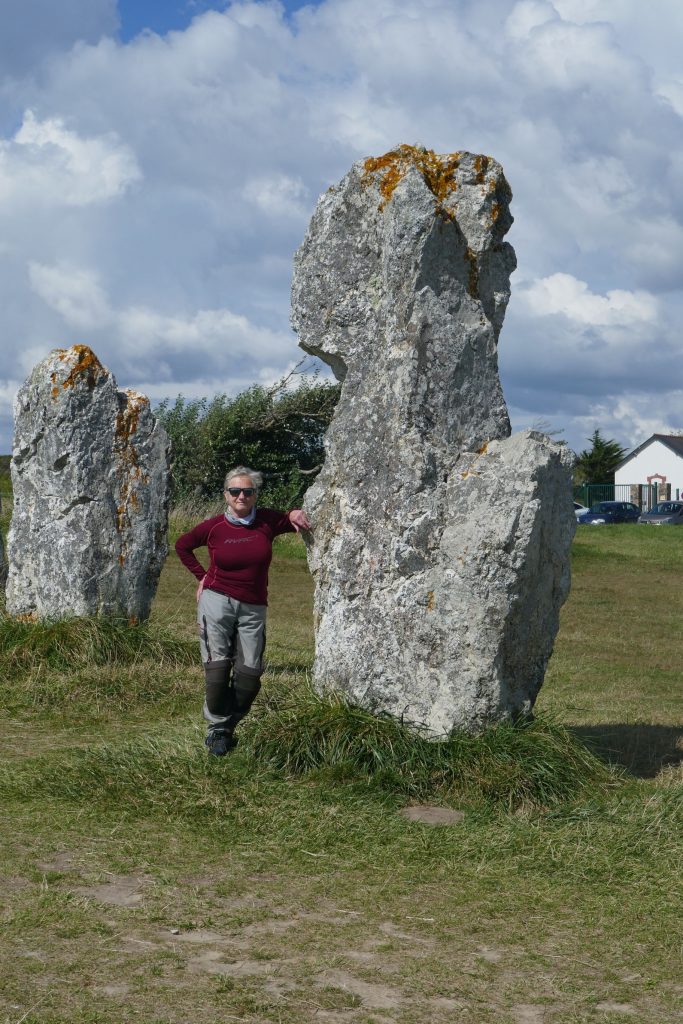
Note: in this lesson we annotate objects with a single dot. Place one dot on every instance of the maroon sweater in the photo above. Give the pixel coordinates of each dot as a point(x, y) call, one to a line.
point(239, 556)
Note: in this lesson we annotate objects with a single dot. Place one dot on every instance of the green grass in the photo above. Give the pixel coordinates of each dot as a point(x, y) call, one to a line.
point(73, 643)
point(143, 881)
point(535, 763)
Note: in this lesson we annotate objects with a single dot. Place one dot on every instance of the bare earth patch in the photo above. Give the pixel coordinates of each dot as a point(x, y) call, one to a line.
point(121, 891)
point(609, 1007)
point(430, 815)
point(527, 1014)
point(373, 995)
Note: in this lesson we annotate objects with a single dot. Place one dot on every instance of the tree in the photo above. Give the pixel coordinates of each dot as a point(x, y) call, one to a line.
point(596, 465)
point(278, 430)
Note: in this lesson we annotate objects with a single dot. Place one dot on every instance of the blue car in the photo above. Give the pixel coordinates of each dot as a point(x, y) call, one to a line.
point(610, 512)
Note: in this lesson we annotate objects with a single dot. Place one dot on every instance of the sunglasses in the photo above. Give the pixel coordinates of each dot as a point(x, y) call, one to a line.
point(246, 491)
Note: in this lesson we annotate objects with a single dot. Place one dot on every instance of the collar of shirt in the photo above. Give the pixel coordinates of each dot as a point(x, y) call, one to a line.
point(247, 521)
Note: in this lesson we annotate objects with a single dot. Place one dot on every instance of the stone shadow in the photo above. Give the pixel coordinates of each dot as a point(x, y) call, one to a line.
point(644, 750)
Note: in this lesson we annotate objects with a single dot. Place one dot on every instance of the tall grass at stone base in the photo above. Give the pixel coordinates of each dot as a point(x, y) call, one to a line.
point(532, 762)
point(65, 644)
point(87, 666)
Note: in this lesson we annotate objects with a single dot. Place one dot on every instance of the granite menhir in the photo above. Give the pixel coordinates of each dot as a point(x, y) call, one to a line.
point(440, 544)
point(91, 482)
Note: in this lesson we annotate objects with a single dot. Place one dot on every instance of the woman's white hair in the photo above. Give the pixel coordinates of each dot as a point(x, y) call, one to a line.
point(255, 477)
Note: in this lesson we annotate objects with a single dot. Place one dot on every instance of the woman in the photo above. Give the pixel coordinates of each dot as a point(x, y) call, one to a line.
point(232, 597)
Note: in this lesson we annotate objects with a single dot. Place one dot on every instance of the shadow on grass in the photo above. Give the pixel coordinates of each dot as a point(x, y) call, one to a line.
point(644, 750)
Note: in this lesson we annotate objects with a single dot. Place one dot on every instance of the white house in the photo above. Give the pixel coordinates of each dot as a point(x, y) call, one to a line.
point(659, 460)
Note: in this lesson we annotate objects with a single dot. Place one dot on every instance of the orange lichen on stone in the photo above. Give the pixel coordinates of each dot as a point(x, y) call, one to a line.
point(128, 419)
point(481, 166)
point(473, 274)
point(127, 422)
point(87, 365)
point(438, 172)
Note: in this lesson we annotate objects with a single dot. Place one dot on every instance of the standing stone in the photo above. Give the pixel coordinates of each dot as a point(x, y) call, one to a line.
point(440, 544)
point(90, 473)
point(3, 564)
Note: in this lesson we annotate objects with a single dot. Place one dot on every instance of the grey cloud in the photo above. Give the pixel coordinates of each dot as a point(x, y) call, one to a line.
point(35, 29)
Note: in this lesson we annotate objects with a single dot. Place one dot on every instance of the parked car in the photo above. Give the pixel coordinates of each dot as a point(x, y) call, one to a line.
point(666, 513)
point(579, 509)
point(610, 512)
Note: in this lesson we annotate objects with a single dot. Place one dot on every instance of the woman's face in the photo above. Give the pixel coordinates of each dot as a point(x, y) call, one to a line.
point(240, 504)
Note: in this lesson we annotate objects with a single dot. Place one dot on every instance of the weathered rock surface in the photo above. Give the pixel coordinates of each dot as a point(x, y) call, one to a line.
point(3, 564)
point(90, 474)
point(440, 544)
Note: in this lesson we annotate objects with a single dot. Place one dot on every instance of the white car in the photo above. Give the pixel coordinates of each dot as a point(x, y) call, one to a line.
point(579, 509)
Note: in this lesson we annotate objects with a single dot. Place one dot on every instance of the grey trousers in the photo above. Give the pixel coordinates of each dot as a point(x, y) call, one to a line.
point(233, 634)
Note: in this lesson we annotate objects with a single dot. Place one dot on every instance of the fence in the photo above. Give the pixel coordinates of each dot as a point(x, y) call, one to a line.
point(644, 495)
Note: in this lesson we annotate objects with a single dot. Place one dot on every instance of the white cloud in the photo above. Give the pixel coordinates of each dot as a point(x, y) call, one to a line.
point(46, 163)
point(528, 15)
point(657, 250)
point(562, 293)
point(75, 294)
point(564, 56)
point(218, 333)
point(144, 337)
point(672, 91)
point(159, 188)
point(278, 195)
point(631, 417)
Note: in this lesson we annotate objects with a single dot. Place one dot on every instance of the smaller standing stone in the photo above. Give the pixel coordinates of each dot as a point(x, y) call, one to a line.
point(3, 564)
point(91, 481)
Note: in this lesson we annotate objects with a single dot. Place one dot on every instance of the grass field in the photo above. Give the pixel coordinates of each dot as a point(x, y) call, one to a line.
point(142, 882)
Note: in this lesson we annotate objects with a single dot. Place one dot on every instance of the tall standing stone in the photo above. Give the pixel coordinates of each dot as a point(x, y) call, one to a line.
point(440, 544)
point(90, 474)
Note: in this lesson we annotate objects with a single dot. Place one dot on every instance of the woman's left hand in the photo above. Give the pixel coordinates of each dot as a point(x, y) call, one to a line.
point(299, 519)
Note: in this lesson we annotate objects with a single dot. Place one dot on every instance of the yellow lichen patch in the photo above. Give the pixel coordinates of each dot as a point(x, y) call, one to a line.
point(438, 172)
point(86, 365)
point(473, 274)
point(127, 423)
point(481, 166)
point(127, 420)
point(431, 601)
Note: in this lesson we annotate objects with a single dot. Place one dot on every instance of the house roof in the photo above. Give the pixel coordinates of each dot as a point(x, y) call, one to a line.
point(672, 441)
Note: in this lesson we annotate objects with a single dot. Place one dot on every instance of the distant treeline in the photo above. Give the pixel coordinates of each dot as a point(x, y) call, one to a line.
point(277, 430)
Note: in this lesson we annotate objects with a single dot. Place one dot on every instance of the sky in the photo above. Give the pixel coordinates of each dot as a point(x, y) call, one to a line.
point(160, 161)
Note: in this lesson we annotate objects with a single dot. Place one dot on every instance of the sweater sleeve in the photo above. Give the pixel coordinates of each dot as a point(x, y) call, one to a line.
point(278, 521)
point(186, 544)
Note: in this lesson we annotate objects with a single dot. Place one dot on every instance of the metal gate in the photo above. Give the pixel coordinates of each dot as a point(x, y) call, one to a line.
point(644, 495)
